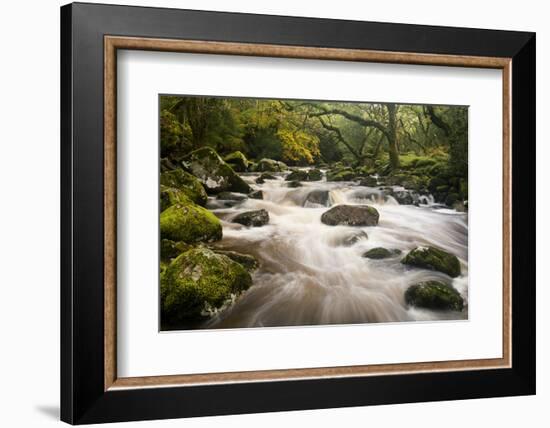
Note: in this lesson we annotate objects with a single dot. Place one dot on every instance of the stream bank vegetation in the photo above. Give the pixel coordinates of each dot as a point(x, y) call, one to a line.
point(290, 212)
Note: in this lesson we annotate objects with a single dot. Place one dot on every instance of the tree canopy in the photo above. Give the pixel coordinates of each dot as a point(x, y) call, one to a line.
point(314, 132)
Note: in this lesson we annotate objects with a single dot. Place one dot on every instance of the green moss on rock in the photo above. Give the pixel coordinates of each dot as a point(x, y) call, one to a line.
point(198, 283)
point(434, 259)
point(434, 295)
point(189, 223)
point(188, 184)
point(215, 175)
point(237, 160)
point(380, 253)
point(170, 249)
point(170, 196)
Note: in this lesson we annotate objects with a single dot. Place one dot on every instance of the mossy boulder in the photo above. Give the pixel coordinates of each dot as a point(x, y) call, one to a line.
point(345, 174)
point(294, 184)
point(238, 161)
point(170, 196)
point(232, 196)
point(188, 184)
point(198, 283)
point(189, 223)
point(380, 253)
point(246, 260)
point(254, 218)
point(270, 165)
point(314, 175)
point(215, 175)
point(434, 259)
point(170, 249)
point(434, 295)
point(351, 215)
point(368, 182)
point(297, 175)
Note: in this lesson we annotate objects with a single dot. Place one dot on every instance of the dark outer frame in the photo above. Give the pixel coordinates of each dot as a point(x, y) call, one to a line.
point(83, 396)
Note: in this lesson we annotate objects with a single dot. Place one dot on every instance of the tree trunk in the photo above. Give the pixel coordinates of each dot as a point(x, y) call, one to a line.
point(392, 136)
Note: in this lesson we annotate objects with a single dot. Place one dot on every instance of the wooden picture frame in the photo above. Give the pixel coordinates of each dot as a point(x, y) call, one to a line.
point(91, 390)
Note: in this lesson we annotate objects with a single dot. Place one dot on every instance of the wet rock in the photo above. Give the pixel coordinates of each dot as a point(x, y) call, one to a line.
point(351, 215)
point(270, 165)
point(354, 237)
point(238, 161)
point(249, 262)
point(297, 175)
point(215, 175)
point(189, 223)
point(167, 164)
point(265, 176)
point(170, 196)
point(405, 197)
point(256, 194)
point(185, 182)
point(254, 218)
point(198, 283)
point(434, 295)
point(294, 184)
point(434, 259)
point(368, 182)
point(318, 197)
point(232, 196)
point(314, 175)
point(380, 253)
point(259, 180)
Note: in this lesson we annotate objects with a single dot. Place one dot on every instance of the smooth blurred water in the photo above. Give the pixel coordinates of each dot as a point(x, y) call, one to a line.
point(306, 275)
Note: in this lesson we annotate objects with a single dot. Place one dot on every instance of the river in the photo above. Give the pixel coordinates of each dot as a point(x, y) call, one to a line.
point(309, 273)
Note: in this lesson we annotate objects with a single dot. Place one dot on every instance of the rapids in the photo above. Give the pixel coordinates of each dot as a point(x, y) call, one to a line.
point(306, 275)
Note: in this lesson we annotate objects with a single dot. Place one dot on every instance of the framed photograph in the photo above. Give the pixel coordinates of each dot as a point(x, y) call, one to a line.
point(265, 213)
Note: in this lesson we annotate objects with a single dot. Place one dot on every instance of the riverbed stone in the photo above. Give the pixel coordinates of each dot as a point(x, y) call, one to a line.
point(254, 218)
point(434, 259)
point(246, 260)
point(318, 196)
point(351, 215)
point(381, 253)
point(199, 282)
point(368, 182)
point(215, 175)
point(314, 175)
point(185, 182)
point(189, 223)
point(297, 175)
point(354, 238)
point(294, 184)
point(434, 295)
point(256, 194)
point(232, 196)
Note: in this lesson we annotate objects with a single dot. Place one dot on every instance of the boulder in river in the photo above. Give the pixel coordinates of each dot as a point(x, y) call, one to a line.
point(249, 262)
point(434, 295)
point(354, 237)
point(317, 197)
point(345, 174)
point(380, 253)
point(314, 175)
point(256, 194)
point(405, 197)
point(297, 175)
point(294, 184)
point(170, 196)
point(270, 165)
point(237, 160)
point(215, 175)
point(189, 223)
point(171, 249)
point(199, 282)
point(187, 183)
point(351, 215)
point(368, 182)
point(434, 259)
point(254, 218)
point(232, 196)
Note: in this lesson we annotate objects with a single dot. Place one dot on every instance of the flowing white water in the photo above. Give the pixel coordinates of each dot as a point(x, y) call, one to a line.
point(308, 277)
